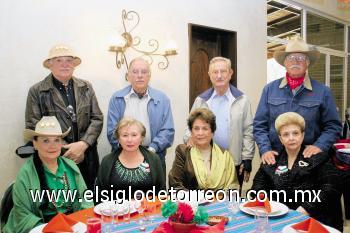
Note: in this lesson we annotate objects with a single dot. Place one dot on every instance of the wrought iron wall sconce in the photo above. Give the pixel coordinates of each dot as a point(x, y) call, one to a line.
point(126, 41)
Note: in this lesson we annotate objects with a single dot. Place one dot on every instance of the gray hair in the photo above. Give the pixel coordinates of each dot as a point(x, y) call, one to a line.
point(219, 59)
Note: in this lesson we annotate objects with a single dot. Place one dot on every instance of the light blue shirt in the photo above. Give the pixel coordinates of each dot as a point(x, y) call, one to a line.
point(159, 113)
point(137, 108)
point(220, 106)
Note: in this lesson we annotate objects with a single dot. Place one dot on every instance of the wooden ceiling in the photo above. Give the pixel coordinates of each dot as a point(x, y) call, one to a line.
point(283, 22)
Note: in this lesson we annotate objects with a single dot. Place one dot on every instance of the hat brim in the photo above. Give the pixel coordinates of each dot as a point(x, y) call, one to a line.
point(29, 134)
point(76, 62)
point(313, 56)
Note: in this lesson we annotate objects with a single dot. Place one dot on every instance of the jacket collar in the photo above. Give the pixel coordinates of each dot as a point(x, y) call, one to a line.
point(47, 83)
point(208, 93)
point(151, 92)
point(306, 84)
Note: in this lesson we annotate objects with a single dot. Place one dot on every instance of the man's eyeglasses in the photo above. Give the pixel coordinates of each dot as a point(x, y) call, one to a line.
point(297, 58)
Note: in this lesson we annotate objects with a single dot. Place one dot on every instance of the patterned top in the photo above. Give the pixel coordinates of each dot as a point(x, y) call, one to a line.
point(63, 180)
point(138, 178)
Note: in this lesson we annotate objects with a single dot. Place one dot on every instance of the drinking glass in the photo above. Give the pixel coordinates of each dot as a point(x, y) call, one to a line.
point(126, 214)
point(232, 200)
point(107, 217)
point(261, 221)
point(151, 208)
point(93, 225)
point(140, 206)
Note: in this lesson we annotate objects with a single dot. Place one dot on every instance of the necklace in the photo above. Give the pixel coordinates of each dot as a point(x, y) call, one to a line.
point(64, 180)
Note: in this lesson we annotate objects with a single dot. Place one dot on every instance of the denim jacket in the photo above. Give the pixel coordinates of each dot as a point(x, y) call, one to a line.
point(313, 101)
point(160, 117)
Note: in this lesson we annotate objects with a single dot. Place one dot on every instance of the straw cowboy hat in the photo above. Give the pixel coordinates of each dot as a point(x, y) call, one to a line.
point(61, 51)
point(47, 126)
point(297, 45)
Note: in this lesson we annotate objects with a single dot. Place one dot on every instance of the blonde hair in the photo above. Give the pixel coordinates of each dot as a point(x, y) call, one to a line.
point(127, 121)
point(219, 59)
point(289, 118)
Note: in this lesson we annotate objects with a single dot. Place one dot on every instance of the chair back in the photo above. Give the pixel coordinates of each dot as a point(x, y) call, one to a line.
point(6, 205)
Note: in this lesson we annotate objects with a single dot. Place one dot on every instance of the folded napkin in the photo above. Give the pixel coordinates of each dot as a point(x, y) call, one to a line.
point(310, 225)
point(265, 204)
point(165, 227)
point(60, 222)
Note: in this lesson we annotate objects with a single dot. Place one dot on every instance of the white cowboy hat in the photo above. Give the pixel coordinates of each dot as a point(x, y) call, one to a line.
point(297, 45)
point(47, 126)
point(61, 51)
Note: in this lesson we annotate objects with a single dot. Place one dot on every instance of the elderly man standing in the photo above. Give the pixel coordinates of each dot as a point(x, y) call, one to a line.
point(296, 92)
point(73, 102)
point(234, 121)
point(146, 104)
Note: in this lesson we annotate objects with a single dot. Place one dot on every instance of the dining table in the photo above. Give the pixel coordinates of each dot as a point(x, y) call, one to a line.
point(242, 222)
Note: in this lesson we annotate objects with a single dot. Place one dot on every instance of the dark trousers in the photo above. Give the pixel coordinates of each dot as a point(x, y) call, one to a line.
point(346, 192)
point(240, 178)
point(162, 161)
point(89, 166)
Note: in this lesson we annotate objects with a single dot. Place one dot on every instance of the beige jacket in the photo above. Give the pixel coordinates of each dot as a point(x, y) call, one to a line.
point(242, 146)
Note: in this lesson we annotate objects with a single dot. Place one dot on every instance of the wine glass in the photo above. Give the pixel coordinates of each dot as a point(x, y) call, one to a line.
point(140, 206)
point(232, 199)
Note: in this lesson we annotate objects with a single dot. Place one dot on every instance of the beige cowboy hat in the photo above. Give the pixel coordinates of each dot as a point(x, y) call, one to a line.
point(47, 126)
point(297, 45)
point(61, 51)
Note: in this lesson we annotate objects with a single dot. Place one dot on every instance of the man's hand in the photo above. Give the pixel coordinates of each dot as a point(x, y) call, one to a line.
point(190, 142)
point(246, 173)
point(302, 210)
point(311, 150)
point(75, 151)
point(269, 157)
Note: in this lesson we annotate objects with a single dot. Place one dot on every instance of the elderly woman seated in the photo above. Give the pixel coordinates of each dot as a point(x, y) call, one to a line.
point(132, 165)
point(205, 165)
point(293, 172)
point(46, 171)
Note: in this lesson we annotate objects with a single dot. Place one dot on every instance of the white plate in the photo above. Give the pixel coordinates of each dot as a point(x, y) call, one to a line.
point(279, 209)
point(289, 229)
point(121, 207)
point(77, 228)
point(342, 144)
point(344, 150)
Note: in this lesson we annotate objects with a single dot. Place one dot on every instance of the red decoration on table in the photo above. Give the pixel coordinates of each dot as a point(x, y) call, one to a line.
point(60, 222)
point(310, 225)
point(183, 214)
point(265, 204)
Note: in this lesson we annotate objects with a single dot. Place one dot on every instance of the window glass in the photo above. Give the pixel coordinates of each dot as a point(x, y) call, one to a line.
point(318, 70)
point(336, 82)
point(324, 32)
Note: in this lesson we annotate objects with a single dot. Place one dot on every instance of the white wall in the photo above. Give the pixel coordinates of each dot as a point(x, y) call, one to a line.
point(30, 27)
